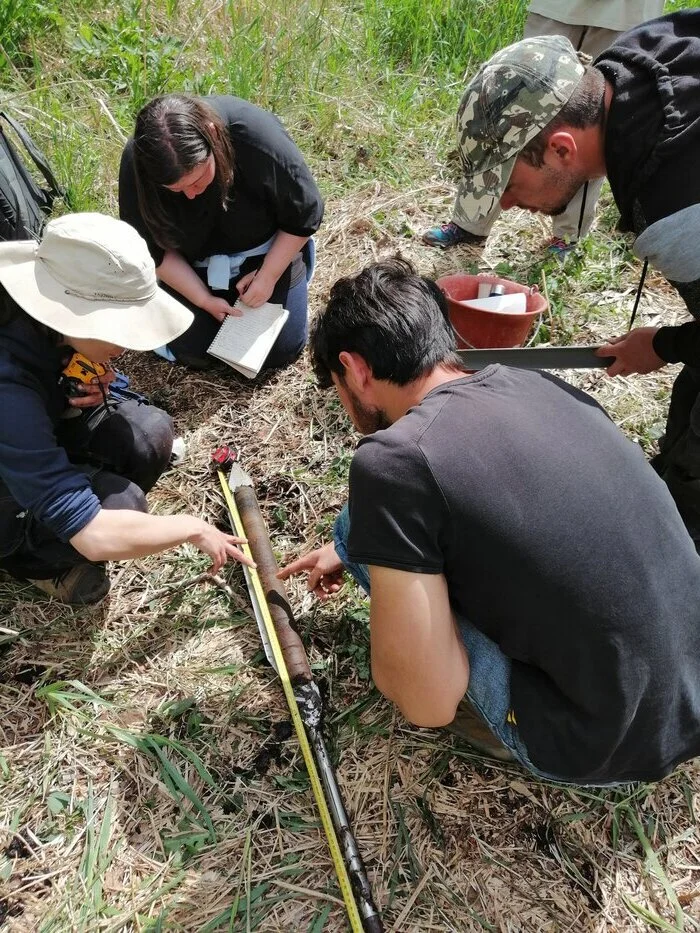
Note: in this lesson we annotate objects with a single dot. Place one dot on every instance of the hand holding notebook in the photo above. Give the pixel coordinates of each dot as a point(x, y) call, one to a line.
point(244, 343)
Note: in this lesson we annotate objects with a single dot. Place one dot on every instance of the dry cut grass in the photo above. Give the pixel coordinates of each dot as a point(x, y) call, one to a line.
point(148, 781)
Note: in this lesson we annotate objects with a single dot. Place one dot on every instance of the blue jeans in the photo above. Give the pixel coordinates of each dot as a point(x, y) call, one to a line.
point(489, 668)
point(293, 336)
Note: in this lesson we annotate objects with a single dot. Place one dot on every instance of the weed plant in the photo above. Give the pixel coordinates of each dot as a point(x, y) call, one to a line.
point(20, 22)
point(441, 38)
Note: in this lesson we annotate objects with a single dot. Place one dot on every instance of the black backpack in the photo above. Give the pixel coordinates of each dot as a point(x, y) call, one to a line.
point(23, 204)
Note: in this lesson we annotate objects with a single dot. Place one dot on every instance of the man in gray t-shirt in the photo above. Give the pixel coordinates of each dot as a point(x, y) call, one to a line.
point(519, 550)
point(535, 125)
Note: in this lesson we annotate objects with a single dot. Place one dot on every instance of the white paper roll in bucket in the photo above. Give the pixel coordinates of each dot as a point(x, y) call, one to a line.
point(508, 304)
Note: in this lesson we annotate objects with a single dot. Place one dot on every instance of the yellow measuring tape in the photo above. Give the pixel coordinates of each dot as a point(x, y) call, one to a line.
point(329, 829)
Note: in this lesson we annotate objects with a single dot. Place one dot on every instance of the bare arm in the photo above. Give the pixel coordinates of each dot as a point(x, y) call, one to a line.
point(120, 534)
point(176, 272)
point(256, 287)
point(418, 658)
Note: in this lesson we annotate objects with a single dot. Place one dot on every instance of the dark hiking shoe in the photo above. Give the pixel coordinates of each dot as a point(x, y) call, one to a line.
point(451, 234)
point(80, 586)
point(469, 725)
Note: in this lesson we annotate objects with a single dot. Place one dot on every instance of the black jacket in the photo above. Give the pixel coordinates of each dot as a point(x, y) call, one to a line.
point(652, 154)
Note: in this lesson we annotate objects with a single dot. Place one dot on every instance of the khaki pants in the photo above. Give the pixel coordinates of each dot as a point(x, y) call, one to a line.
point(589, 39)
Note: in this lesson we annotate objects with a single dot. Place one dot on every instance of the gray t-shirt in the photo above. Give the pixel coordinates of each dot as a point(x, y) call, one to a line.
point(558, 541)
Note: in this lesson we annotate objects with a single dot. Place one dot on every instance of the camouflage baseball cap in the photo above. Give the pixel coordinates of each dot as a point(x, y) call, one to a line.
point(512, 97)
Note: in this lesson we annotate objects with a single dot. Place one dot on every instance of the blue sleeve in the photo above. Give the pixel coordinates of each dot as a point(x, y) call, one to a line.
point(397, 511)
point(36, 470)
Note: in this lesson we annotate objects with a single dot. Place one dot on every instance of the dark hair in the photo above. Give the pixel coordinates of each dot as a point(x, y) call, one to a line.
point(585, 108)
point(10, 310)
point(173, 135)
point(395, 319)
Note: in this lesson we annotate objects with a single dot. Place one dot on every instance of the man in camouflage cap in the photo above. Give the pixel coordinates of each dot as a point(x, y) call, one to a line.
point(512, 98)
point(591, 27)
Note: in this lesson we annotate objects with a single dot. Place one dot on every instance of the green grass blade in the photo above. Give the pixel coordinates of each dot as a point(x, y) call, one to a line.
point(179, 784)
point(654, 867)
point(649, 916)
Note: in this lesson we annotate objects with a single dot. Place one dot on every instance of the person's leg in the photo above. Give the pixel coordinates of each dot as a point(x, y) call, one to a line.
point(566, 226)
point(54, 566)
point(190, 348)
point(341, 531)
point(484, 717)
point(292, 337)
point(461, 230)
point(123, 451)
point(536, 25)
point(597, 40)
point(478, 228)
point(678, 460)
point(488, 694)
point(42, 555)
point(133, 440)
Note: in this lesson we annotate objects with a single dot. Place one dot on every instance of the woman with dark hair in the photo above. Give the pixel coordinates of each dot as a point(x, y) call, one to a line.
point(227, 205)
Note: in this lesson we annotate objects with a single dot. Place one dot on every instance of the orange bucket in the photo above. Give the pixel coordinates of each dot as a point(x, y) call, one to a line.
point(475, 327)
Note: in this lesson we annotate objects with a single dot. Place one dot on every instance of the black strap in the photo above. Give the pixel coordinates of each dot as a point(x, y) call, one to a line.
point(639, 294)
point(583, 208)
point(37, 157)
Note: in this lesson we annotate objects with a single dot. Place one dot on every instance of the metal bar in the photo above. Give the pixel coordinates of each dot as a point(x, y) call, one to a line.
point(260, 619)
point(537, 358)
point(305, 706)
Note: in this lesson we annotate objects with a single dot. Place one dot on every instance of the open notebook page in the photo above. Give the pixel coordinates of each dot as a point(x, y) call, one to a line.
point(245, 342)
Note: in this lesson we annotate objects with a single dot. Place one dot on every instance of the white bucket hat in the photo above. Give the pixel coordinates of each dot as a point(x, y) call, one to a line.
point(91, 276)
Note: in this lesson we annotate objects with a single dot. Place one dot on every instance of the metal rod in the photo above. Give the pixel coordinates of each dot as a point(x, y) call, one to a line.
point(537, 358)
point(307, 696)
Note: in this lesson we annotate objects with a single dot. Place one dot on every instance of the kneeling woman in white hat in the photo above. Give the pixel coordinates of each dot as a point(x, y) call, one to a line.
point(73, 475)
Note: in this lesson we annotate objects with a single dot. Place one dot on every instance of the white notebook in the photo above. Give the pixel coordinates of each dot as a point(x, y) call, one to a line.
point(245, 342)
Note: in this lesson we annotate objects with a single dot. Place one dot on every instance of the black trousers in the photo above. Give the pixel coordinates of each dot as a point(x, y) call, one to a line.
point(678, 460)
point(123, 450)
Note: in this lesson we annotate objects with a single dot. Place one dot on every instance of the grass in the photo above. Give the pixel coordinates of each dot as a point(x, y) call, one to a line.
point(145, 780)
point(355, 83)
